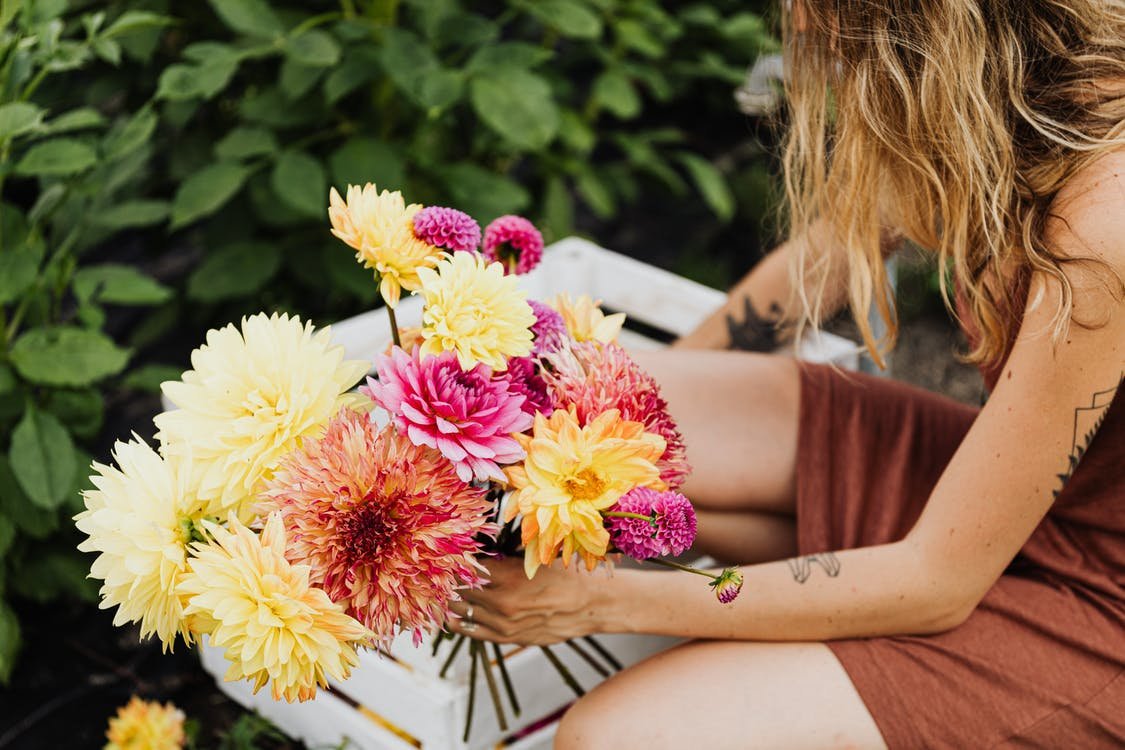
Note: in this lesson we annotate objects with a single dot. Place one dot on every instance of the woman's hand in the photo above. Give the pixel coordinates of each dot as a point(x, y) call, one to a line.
point(555, 605)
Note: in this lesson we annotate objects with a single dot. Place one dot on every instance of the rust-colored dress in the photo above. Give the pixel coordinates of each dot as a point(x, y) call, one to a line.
point(1041, 661)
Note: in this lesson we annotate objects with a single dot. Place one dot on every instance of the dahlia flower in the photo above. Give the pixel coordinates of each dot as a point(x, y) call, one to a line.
point(572, 473)
point(474, 310)
point(585, 320)
point(515, 242)
point(467, 416)
point(379, 226)
point(273, 624)
point(139, 518)
point(727, 585)
point(593, 378)
point(252, 395)
point(657, 524)
point(146, 725)
point(387, 528)
point(523, 378)
point(449, 228)
point(549, 331)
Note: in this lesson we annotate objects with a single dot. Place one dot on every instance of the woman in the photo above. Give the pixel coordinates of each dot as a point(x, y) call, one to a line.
point(917, 573)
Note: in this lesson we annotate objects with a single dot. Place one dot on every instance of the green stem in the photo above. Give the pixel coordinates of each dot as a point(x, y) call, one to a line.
point(449, 659)
point(312, 23)
point(493, 691)
point(626, 514)
point(472, 690)
point(568, 678)
point(438, 640)
point(604, 653)
point(679, 566)
point(594, 664)
point(394, 326)
point(506, 678)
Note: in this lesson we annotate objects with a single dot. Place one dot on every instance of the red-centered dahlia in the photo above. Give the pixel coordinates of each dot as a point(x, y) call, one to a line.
point(447, 228)
point(594, 377)
point(727, 585)
point(549, 329)
point(515, 242)
point(523, 377)
point(387, 528)
point(468, 416)
point(665, 526)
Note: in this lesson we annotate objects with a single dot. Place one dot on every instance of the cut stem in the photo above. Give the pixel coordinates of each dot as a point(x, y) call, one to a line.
point(506, 678)
point(438, 640)
point(603, 652)
point(627, 514)
point(489, 680)
point(449, 659)
point(596, 665)
point(472, 689)
point(568, 678)
point(394, 326)
point(680, 566)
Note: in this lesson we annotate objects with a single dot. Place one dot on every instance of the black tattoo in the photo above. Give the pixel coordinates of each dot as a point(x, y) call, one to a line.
point(756, 333)
point(1087, 421)
point(801, 567)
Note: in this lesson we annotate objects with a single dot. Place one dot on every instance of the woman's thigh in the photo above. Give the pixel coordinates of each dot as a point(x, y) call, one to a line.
point(725, 694)
point(738, 413)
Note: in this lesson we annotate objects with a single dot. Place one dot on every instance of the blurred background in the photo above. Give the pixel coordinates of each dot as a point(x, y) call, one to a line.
point(164, 169)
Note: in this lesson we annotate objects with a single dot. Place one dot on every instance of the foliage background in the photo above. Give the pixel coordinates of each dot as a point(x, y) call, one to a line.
point(164, 168)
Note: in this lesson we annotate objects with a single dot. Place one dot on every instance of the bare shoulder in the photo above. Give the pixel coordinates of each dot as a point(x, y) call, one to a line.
point(1088, 215)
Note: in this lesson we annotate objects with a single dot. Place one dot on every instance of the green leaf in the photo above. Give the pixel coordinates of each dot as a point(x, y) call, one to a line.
point(711, 185)
point(44, 578)
point(206, 191)
point(42, 458)
point(126, 138)
point(597, 194)
point(575, 133)
point(270, 107)
point(484, 194)
point(635, 36)
point(29, 518)
point(9, 641)
point(7, 534)
point(569, 17)
point(299, 180)
point(184, 82)
point(20, 255)
point(58, 157)
point(9, 9)
point(107, 50)
point(415, 70)
point(80, 410)
point(67, 356)
point(439, 88)
point(315, 48)
point(17, 118)
point(614, 92)
point(116, 284)
point(136, 20)
point(209, 51)
point(361, 160)
point(132, 214)
point(558, 209)
point(234, 271)
point(507, 55)
point(344, 273)
point(359, 65)
point(8, 382)
point(296, 80)
point(149, 377)
point(250, 17)
point(244, 142)
point(76, 119)
point(517, 105)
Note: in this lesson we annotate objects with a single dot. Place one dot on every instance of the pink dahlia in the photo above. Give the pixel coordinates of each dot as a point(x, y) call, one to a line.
point(448, 228)
point(595, 377)
point(387, 528)
point(660, 523)
point(515, 242)
point(727, 585)
point(523, 377)
point(468, 416)
point(549, 329)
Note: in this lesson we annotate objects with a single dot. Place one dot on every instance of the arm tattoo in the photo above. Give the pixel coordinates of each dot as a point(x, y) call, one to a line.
point(755, 333)
point(1087, 421)
point(801, 567)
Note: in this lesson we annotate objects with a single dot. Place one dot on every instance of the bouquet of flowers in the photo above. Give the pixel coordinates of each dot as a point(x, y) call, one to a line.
point(293, 520)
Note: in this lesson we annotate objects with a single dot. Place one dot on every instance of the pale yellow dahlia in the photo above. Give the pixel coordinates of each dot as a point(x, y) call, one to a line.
point(253, 393)
point(273, 624)
point(380, 227)
point(139, 518)
point(146, 725)
point(585, 320)
point(571, 474)
point(475, 311)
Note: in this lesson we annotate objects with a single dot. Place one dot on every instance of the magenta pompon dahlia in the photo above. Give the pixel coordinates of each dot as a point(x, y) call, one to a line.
point(523, 377)
point(594, 377)
point(468, 416)
point(667, 527)
point(448, 228)
point(515, 242)
point(549, 329)
point(387, 528)
point(727, 585)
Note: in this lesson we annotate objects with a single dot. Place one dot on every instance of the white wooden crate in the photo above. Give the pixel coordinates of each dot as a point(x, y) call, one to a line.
point(397, 701)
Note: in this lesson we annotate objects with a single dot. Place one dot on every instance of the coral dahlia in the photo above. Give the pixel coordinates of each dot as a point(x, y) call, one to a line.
point(386, 527)
point(469, 417)
point(515, 242)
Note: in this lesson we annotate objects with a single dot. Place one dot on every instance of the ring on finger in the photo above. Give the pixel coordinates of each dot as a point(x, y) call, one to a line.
point(467, 622)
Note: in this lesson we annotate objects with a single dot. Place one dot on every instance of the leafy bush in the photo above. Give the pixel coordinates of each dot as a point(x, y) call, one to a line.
point(198, 141)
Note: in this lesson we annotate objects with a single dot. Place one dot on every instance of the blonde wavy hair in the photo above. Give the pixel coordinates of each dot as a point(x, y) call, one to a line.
point(954, 124)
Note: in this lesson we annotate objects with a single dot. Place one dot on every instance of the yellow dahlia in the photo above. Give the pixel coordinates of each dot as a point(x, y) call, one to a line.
point(585, 320)
point(253, 393)
point(380, 227)
point(274, 625)
point(571, 474)
point(475, 311)
point(146, 725)
point(139, 518)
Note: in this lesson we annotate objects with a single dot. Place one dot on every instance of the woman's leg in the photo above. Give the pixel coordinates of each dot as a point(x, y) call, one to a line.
point(717, 695)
